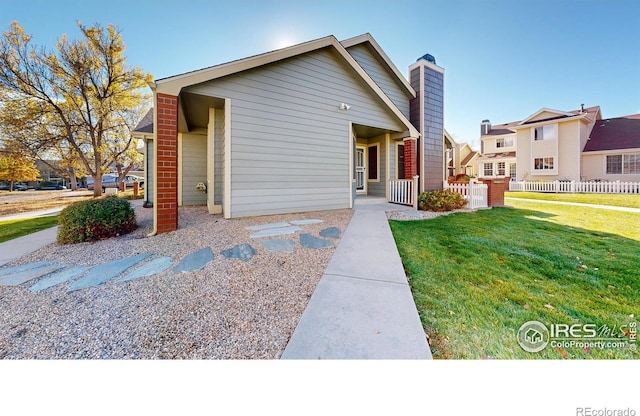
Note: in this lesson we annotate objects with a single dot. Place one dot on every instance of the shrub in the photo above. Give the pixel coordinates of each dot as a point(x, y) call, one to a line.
point(441, 201)
point(95, 219)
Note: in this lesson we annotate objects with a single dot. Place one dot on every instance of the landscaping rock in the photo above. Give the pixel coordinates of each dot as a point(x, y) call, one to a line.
point(155, 266)
point(306, 222)
point(331, 232)
point(107, 271)
point(242, 251)
point(309, 241)
point(59, 278)
point(271, 232)
point(195, 261)
point(282, 245)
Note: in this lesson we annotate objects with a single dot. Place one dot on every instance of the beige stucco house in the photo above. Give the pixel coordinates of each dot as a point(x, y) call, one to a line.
point(557, 145)
point(461, 159)
point(304, 128)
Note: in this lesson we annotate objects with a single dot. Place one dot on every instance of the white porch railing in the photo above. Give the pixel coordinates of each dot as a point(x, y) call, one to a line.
point(404, 191)
point(474, 192)
point(592, 187)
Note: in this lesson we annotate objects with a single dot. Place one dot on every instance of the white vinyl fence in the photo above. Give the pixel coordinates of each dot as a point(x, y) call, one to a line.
point(592, 187)
point(474, 192)
point(404, 191)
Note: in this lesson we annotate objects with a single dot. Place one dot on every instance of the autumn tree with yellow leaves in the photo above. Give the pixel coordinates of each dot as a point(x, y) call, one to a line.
point(82, 96)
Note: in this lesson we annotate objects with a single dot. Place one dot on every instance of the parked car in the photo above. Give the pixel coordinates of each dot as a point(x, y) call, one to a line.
point(50, 187)
point(111, 181)
point(19, 187)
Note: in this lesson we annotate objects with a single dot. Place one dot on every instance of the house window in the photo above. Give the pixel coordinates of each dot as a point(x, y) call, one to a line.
point(502, 168)
point(400, 157)
point(512, 171)
point(502, 142)
point(544, 132)
point(614, 164)
point(488, 169)
point(373, 162)
point(543, 163)
point(623, 164)
point(631, 164)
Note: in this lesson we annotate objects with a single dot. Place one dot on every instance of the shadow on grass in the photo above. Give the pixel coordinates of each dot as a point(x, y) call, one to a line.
point(477, 277)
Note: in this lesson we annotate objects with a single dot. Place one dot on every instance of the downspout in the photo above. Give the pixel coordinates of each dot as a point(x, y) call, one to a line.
point(152, 85)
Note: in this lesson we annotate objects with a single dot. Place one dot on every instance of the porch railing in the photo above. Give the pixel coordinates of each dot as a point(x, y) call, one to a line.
point(404, 191)
point(593, 187)
point(474, 192)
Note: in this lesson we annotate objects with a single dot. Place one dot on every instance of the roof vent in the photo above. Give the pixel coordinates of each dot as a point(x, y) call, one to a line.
point(427, 57)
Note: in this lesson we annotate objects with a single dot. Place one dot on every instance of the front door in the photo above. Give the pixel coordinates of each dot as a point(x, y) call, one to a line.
point(361, 178)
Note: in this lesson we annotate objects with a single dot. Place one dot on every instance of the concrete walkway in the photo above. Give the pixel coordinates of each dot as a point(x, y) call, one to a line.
point(362, 307)
point(576, 204)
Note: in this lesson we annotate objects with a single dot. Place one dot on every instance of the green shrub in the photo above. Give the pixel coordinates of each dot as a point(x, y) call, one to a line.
point(441, 201)
point(95, 219)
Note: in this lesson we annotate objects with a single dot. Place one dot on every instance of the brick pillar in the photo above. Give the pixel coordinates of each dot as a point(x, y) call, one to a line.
point(495, 191)
point(410, 158)
point(167, 163)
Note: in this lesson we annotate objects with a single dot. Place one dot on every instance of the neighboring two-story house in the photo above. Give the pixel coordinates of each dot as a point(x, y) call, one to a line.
point(557, 145)
point(461, 159)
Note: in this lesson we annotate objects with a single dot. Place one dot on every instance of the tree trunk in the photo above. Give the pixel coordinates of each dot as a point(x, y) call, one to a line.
point(72, 179)
point(97, 184)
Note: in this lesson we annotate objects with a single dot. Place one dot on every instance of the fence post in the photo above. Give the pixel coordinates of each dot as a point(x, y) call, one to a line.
point(414, 191)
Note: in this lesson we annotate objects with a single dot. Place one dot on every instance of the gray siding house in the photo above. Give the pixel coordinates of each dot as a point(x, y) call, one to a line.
point(304, 128)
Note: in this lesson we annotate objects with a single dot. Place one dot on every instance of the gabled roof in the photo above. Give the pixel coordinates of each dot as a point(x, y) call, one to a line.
point(173, 85)
point(559, 114)
point(615, 134)
point(501, 129)
point(588, 114)
point(146, 124)
point(384, 58)
point(469, 158)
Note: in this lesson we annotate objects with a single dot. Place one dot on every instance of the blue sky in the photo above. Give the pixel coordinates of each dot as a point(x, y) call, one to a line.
point(503, 60)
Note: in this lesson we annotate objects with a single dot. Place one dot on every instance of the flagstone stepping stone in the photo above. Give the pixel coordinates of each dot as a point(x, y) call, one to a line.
point(309, 241)
point(272, 232)
point(29, 274)
point(24, 267)
point(195, 261)
point(331, 232)
point(58, 278)
point(242, 251)
point(282, 245)
point(107, 271)
point(267, 226)
point(306, 222)
point(155, 266)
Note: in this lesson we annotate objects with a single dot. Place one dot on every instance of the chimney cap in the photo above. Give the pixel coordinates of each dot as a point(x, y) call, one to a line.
point(427, 57)
point(485, 121)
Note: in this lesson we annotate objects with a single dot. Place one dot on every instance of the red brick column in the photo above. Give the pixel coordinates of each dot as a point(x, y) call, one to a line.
point(410, 158)
point(167, 163)
point(495, 191)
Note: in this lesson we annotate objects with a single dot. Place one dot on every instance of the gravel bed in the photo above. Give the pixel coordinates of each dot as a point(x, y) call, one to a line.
point(230, 309)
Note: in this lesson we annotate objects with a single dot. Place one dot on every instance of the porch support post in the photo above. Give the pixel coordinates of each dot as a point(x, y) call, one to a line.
point(166, 204)
point(410, 157)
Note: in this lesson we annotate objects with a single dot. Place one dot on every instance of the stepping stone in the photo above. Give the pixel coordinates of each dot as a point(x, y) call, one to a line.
point(195, 261)
point(271, 232)
point(58, 278)
point(306, 222)
point(107, 271)
point(242, 251)
point(282, 245)
point(309, 241)
point(29, 274)
point(24, 267)
point(155, 266)
point(267, 226)
point(331, 232)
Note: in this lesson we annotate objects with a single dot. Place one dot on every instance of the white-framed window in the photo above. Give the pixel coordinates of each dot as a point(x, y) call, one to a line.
point(504, 142)
point(512, 171)
point(627, 164)
point(543, 163)
point(502, 168)
point(545, 132)
point(487, 169)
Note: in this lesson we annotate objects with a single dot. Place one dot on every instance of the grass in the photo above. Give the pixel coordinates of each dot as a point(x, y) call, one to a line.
point(618, 200)
point(477, 277)
point(18, 228)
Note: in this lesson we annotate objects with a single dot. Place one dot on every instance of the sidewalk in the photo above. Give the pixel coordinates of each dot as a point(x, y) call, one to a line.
point(362, 307)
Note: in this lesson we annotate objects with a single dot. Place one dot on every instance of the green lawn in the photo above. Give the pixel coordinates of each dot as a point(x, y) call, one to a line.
point(618, 200)
point(17, 228)
point(477, 277)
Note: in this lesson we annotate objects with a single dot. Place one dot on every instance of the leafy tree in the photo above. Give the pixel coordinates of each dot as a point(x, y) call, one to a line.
point(15, 167)
point(79, 97)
